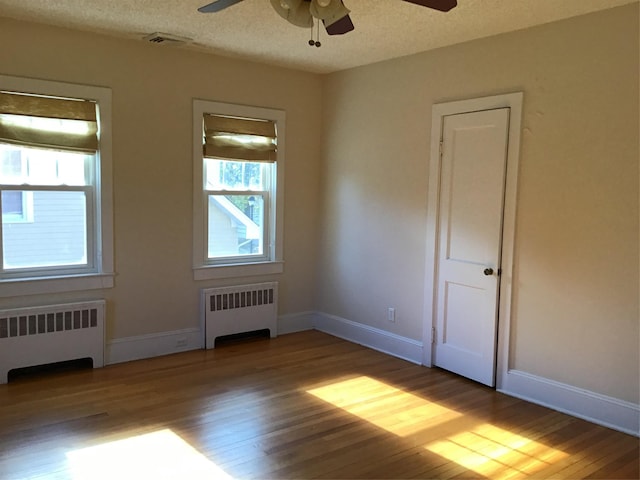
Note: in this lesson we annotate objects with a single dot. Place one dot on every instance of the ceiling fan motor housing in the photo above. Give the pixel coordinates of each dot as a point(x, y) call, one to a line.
point(329, 11)
point(295, 12)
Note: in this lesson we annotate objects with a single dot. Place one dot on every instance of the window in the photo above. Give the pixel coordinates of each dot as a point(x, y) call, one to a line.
point(238, 165)
point(55, 187)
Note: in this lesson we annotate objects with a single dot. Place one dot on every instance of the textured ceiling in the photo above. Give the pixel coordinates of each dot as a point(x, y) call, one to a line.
point(253, 30)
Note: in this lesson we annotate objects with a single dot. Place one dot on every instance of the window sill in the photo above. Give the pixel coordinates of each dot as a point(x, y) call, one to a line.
point(69, 283)
point(237, 270)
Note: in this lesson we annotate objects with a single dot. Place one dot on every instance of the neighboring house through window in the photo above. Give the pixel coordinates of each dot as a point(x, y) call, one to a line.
point(55, 182)
point(238, 164)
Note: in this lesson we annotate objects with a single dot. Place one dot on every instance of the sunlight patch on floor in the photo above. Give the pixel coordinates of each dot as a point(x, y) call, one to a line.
point(482, 448)
point(387, 407)
point(496, 453)
point(158, 455)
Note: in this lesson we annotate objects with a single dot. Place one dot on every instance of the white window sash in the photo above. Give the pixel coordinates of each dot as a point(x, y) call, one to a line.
point(63, 269)
point(98, 273)
point(244, 265)
point(266, 254)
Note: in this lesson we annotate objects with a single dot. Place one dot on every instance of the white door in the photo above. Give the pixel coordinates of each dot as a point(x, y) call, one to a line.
point(472, 182)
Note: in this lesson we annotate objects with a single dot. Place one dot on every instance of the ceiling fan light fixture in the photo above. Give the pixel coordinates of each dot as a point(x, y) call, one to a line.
point(330, 13)
point(290, 4)
point(297, 12)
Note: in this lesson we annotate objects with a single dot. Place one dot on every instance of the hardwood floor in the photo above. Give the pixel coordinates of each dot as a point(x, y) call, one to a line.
point(304, 405)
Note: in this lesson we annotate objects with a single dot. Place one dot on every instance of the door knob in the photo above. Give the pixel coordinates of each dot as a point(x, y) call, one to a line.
point(488, 271)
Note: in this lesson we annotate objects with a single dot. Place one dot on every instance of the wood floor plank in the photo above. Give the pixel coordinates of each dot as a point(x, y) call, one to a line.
point(305, 405)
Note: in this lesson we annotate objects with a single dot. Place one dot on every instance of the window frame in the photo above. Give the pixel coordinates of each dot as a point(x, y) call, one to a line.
point(272, 261)
point(98, 273)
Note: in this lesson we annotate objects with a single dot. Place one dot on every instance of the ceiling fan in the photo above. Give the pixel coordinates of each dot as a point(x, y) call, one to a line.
point(333, 13)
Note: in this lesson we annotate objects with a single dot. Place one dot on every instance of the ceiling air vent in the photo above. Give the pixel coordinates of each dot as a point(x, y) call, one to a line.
point(166, 39)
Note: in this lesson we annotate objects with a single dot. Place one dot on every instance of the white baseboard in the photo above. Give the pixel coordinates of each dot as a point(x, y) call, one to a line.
point(594, 407)
point(386, 342)
point(164, 343)
point(295, 322)
point(152, 345)
point(600, 409)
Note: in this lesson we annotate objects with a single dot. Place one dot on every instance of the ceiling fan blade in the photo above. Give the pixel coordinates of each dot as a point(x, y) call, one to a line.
point(339, 27)
point(217, 6)
point(442, 5)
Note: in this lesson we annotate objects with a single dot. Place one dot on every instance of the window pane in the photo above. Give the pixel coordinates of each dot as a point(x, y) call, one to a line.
point(34, 166)
point(56, 235)
point(50, 167)
point(235, 225)
point(230, 175)
point(12, 203)
point(11, 168)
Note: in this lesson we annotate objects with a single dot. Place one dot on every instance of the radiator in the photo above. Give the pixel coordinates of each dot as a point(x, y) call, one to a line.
point(239, 309)
point(41, 335)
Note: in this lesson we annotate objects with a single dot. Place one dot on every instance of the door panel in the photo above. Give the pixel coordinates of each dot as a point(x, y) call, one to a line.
point(470, 212)
point(459, 299)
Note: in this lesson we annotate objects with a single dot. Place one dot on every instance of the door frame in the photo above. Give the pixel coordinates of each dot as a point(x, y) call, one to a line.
point(439, 111)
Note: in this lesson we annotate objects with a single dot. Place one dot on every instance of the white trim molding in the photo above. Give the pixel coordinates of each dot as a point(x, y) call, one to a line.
point(513, 101)
point(165, 343)
point(381, 340)
point(240, 270)
point(62, 284)
point(98, 272)
point(273, 262)
point(594, 407)
point(153, 345)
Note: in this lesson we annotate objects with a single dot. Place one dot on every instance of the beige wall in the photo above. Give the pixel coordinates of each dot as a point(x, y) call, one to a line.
point(153, 88)
point(575, 307)
point(575, 311)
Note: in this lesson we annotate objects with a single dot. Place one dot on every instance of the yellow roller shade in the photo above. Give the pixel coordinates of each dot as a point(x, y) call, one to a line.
point(48, 122)
point(239, 138)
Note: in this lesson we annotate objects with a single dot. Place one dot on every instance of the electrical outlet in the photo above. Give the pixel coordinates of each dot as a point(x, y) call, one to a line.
point(181, 342)
point(391, 314)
